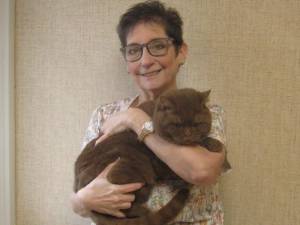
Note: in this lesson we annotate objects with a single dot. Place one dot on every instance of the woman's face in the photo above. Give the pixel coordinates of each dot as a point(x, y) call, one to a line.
point(154, 73)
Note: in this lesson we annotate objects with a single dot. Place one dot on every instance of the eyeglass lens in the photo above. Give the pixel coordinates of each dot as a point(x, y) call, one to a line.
point(156, 47)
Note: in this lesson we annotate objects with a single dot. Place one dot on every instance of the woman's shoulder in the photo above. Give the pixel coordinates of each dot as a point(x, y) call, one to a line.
point(218, 123)
point(101, 113)
point(107, 109)
point(215, 108)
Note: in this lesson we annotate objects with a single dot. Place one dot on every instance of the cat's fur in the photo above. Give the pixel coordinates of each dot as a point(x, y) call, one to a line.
point(179, 116)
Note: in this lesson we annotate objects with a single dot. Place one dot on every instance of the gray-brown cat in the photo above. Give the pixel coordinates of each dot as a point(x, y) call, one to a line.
point(179, 116)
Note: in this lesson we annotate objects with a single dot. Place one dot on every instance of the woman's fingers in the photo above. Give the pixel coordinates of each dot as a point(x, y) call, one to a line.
point(104, 197)
point(105, 172)
point(116, 204)
point(124, 205)
point(127, 198)
point(121, 188)
point(118, 214)
point(125, 188)
point(101, 138)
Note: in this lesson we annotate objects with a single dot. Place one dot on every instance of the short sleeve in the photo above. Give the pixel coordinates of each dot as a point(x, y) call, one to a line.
point(100, 114)
point(218, 131)
point(93, 128)
point(218, 125)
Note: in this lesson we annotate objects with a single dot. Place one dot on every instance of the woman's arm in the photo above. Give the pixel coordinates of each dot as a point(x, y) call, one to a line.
point(194, 164)
point(104, 197)
point(100, 195)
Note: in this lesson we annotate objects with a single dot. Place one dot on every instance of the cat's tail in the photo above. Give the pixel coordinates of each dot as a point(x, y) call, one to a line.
point(160, 217)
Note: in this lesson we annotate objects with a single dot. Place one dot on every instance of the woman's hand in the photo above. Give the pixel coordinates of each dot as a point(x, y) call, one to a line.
point(104, 197)
point(132, 118)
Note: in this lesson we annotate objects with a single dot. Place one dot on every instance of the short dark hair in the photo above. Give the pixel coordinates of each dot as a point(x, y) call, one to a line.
point(151, 11)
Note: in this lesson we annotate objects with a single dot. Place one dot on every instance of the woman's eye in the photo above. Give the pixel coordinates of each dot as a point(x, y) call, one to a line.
point(158, 46)
point(132, 51)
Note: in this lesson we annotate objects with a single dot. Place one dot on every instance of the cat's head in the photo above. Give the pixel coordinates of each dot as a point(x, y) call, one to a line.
point(182, 117)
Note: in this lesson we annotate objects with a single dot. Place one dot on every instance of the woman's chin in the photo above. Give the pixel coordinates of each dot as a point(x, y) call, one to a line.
point(156, 87)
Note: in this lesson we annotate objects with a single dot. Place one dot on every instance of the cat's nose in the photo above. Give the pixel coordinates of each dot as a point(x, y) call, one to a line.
point(187, 132)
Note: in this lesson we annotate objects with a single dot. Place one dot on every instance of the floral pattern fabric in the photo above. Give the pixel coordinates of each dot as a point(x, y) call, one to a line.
point(204, 206)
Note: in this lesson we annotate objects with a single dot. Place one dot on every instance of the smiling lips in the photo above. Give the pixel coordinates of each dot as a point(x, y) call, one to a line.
point(151, 73)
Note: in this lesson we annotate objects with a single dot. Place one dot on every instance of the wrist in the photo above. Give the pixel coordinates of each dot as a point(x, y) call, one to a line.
point(78, 204)
point(136, 119)
point(130, 121)
point(146, 129)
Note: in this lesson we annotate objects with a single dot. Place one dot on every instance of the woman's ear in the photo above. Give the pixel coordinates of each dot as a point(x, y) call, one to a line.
point(182, 53)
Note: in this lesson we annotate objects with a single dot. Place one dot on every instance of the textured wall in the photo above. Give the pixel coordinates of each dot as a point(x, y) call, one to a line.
point(247, 51)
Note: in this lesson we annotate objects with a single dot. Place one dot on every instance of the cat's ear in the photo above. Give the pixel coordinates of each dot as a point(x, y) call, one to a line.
point(205, 95)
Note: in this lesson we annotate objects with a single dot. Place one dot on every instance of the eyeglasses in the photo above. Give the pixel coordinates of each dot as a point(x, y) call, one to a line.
point(156, 47)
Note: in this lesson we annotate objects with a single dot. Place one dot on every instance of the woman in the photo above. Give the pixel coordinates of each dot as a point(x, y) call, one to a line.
point(152, 45)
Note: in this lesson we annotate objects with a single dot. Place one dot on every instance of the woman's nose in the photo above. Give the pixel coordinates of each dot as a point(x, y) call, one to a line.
point(146, 59)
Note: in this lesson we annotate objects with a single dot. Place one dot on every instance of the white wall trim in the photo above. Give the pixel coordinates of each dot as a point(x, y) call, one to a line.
point(7, 113)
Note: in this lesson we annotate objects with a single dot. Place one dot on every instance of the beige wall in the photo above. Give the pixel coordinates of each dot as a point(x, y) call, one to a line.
point(247, 52)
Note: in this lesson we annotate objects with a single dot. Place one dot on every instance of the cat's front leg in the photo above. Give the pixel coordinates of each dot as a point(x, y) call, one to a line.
point(125, 172)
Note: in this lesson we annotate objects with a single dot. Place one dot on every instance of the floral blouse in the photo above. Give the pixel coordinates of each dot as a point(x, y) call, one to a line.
point(204, 206)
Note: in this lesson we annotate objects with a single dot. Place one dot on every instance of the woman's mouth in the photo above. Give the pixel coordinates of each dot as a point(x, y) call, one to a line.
point(151, 73)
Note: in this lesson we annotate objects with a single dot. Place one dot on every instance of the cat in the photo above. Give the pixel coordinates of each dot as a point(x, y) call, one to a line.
point(179, 116)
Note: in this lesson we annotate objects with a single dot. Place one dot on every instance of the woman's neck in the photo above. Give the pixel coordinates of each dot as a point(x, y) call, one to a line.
point(151, 95)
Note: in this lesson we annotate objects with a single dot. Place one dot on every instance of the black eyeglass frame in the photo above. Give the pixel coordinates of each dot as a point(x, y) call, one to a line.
point(141, 47)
